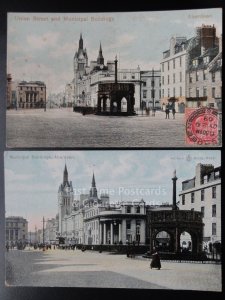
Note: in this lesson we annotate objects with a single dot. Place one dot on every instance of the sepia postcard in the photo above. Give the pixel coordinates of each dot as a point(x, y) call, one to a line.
point(113, 219)
point(114, 79)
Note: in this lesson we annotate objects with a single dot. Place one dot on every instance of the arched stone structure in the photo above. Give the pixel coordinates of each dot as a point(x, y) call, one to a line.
point(175, 222)
point(115, 92)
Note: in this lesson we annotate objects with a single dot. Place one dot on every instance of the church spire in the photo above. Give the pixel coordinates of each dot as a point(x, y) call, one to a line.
point(65, 175)
point(93, 181)
point(100, 59)
point(93, 190)
point(81, 42)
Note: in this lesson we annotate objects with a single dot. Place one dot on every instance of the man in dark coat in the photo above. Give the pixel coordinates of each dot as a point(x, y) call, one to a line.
point(155, 263)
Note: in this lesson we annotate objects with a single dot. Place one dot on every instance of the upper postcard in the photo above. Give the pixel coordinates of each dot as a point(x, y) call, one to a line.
point(114, 80)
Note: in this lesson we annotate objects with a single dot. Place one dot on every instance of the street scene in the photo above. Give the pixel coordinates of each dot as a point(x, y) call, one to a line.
point(109, 70)
point(74, 268)
point(77, 219)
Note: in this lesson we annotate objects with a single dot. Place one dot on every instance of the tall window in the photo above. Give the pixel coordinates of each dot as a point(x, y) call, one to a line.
point(174, 92)
point(138, 232)
point(168, 65)
point(128, 225)
point(214, 192)
point(213, 228)
point(162, 67)
point(204, 74)
point(213, 92)
point(213, 76)
point(174, 65)
point(192, 197)
point(162, 93)
point(190, 78)
point(204, 91)
point(197, 92)
point(168, 79)
point(128, 209)
point(138, 209)
point(180, 91)
point(197, 76)
point(202, 195)
point(180, 61)
point(203, 211)
point(174, 78)
point(183, 199)
point(144, 83)
point(214, 210)
point(162, 79)
point(144, 94)
point(168, 92)
point(180, 76)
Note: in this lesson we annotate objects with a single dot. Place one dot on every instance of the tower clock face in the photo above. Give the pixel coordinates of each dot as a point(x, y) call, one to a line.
point(101, 66)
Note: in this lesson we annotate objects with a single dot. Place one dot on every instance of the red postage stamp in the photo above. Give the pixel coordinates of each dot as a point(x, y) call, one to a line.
point(201, 126)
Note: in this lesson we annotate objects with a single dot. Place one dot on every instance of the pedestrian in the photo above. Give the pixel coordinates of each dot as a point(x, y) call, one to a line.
point(155, 263)
point(173, 112)
point(153, 112)
point(167, 112)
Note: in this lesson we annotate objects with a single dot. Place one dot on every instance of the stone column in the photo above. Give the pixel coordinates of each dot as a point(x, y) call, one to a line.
point(120, 232)
point(100, 233)
point(111, 233)
point(104, 233)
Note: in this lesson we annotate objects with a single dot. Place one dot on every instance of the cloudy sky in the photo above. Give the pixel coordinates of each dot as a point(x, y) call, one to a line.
point(41, 46)
point(32, 178)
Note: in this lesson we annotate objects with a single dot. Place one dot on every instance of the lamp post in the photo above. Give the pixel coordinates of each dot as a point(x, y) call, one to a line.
point(43, 221)
point(153, 91)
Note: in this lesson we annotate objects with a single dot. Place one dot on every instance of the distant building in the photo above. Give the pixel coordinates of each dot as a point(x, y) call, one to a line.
point(176, 69)
point(31, 94)
point(151, 88)
point(203, 193)
point(88, 78)
point(16, 229)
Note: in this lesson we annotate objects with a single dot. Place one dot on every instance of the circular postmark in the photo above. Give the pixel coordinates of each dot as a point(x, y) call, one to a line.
point(202, 126)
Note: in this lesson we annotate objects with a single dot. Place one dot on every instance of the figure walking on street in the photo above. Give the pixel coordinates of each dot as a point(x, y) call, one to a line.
point(155, 263)
point(173, 112)
point(167, 112)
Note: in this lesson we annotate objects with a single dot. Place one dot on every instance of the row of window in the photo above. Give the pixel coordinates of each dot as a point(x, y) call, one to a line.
point(138, 224)
point(202, 195)
point(174, 62)
point(198, 77)
point(30, 88)
point(12, 224)
point(213, 210)
point(204, 92)
point(152, 92)
point(174, 92)
point(137, 209)
point(174, 78)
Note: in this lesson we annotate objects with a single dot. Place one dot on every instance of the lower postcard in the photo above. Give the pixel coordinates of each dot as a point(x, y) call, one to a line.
point(140, 219)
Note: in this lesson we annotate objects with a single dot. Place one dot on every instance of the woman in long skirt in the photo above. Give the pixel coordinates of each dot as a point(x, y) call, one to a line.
point(155, 263)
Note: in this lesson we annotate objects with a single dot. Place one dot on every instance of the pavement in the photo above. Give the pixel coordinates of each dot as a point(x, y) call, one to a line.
point(68, 268)
point(65, 128)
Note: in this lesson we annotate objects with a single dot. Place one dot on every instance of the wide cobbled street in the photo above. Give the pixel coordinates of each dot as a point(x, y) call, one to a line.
point(74, 268)
point(65, 128)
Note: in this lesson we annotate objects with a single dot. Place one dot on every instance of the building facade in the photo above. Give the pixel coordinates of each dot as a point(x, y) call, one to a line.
point(16, 229)
point(151, 89)
point(203, 193)
point(31, 94)
point(180, 64)
point(92, 220)
point(9, 91)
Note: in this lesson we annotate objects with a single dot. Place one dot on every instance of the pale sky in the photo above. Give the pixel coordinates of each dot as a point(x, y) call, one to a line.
point(44, 49)
point(32, 178)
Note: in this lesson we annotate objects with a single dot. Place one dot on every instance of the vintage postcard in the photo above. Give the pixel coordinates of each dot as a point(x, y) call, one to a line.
point(76, 219)
point(128, 79)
